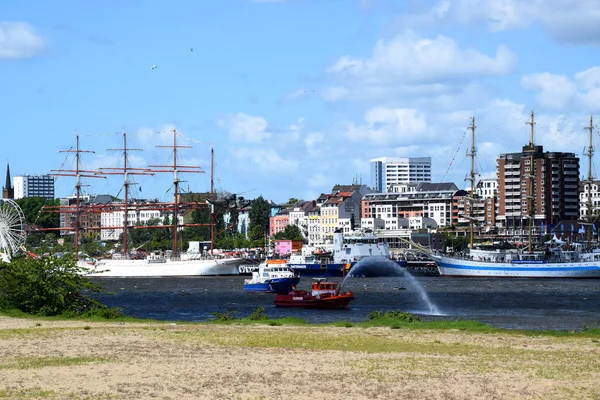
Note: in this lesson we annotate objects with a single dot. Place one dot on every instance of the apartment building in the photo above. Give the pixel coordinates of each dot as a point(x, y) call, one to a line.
point(389, 172)
point(33, 186)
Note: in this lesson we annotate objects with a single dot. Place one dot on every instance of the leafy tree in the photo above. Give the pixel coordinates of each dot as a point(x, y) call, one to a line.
point(32, 207)
point(291, 232)
point(48, 286)
point(259, 219)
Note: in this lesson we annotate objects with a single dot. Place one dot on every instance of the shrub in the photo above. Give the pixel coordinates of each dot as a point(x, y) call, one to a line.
point(221, 317)
point(47, 286)
point(258, 315)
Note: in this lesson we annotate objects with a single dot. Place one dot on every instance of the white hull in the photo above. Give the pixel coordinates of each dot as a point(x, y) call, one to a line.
point(145, 268)
point(448, 266)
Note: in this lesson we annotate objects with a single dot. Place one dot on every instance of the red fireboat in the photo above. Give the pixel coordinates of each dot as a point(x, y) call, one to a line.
point(323, 294)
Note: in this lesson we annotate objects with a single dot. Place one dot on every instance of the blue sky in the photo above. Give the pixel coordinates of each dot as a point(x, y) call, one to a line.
point(295, 96)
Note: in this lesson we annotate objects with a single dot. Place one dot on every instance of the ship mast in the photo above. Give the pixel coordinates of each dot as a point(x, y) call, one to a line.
point(589, 153)
point(212, 197)
point(472, 180)
point(78, 173)
point(176, 170)
point(125, 171)
point(530, 195)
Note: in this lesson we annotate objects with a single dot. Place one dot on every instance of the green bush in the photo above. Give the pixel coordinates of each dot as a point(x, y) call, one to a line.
point(48, 286)
point(394, 315)
point(221, 317)
point(258, 315)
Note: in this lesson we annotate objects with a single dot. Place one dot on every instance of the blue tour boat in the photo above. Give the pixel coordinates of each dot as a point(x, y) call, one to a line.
point(273, 276)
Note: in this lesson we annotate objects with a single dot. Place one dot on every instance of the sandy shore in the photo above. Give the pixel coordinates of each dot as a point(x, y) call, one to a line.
point(85, 360)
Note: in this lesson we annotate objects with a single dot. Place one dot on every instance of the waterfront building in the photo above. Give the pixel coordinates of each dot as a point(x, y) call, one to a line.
point(554, 190)
point(115, 219)
point(389, 172)
point(34, 186)
point(424, 199)
point(278, 222)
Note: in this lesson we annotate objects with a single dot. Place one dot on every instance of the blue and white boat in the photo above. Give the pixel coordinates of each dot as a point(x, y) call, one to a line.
point(338, 259)
point(273, 276)
point(554, 263)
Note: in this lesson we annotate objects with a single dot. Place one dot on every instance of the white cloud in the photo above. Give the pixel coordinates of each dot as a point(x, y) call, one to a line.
point(244, 128)
point(386, 126)
point(566, 20)
point(19, 40)
point(407, 58)
point(413, 66)
point(558, 92)
point(266, 161)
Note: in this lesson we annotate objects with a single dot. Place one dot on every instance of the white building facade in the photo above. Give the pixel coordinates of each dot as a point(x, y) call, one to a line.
point(388, 172)
point(34, 186)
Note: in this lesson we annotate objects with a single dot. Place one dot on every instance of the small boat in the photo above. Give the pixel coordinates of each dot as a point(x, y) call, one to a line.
point(323, 294)
point(273, 276)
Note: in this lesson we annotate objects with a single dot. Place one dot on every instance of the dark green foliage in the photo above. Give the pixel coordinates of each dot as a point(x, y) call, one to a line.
point(291, 232)
point(48, 286)
point(394, 315)
point(31, 207)
point(258, 315)
point(259, 220)
point(221, 317)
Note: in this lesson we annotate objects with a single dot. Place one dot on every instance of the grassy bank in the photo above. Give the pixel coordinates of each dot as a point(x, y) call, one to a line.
point(248, 359)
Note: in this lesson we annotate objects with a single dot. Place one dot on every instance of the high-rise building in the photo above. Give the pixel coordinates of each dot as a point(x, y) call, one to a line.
point(389, 172)
point(34, 186)
point(552, 189)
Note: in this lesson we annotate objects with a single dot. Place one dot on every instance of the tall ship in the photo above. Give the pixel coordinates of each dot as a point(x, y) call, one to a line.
point(554, 259)
point(168, 263)
point(338, 258)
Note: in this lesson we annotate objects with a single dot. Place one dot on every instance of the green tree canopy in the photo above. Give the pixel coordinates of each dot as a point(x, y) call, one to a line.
point(48, 286)
point(32, 206)
point(259, 214)
point(291, 232)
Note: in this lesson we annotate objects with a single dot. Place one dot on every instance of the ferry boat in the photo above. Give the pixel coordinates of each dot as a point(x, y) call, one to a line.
point(272, 276)
point(338, 259)
point(323, 295)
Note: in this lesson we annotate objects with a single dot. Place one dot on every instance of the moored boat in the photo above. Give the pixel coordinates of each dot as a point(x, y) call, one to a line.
point(272, 276)
point(555, 260)
point(337, 260)
point(323, 295)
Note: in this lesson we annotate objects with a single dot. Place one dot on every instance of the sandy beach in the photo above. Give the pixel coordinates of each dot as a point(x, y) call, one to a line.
point(89, 360)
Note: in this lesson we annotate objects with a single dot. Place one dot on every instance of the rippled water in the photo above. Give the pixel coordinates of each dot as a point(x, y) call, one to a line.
point(563, 304)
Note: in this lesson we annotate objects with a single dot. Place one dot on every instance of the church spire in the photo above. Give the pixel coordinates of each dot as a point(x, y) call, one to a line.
point(8, 191)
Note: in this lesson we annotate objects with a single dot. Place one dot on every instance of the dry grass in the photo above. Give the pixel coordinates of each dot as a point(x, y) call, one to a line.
point(70, 359)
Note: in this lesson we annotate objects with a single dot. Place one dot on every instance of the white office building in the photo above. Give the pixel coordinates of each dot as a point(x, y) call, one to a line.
point(389, 172)
point(34, 186)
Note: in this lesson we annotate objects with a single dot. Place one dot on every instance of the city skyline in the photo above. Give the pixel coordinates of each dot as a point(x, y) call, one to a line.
point(293, 100)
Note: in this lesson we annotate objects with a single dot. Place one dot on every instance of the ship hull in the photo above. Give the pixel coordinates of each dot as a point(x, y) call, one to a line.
point(303, 299)
point(168, 268)
point(277, 285)
point(333, 269)
point(448, 266)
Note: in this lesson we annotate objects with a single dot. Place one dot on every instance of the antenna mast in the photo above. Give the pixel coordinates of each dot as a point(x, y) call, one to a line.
point(78, 173)
point(125, 171)
point(530, 195)
point(175, 169)
point(589, 153)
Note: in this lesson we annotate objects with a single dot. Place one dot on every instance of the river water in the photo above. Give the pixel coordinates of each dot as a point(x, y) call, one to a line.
point(561, 304)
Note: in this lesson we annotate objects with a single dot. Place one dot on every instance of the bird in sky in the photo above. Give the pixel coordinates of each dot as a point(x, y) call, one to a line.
point(153, 67)
point(191, 49)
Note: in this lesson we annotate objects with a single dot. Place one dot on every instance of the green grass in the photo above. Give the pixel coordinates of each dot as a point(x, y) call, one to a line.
point(41, 362)
point(31, 393)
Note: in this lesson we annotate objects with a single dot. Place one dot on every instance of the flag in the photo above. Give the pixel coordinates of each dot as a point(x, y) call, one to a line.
point(562, 228)
point(542, 229)
point(140, 188)
point(572, 228)
point(581, 229)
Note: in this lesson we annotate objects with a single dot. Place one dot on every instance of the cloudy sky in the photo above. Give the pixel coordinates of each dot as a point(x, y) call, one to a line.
point(295, 96)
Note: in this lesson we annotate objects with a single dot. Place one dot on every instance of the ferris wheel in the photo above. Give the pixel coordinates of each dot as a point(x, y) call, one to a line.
point(12, 228)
